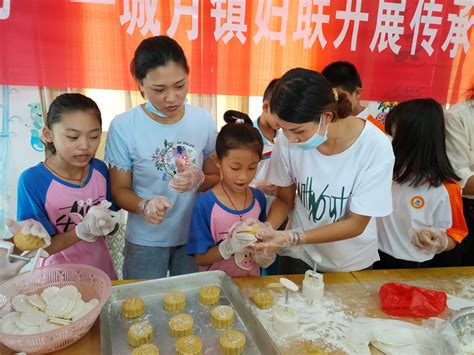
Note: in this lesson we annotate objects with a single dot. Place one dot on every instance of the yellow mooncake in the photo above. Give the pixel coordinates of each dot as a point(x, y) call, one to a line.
point(209, 295)
point(133, 307)
point(189, 345)
point(263, 299)
point(140, 333)
point(146, 349)
point(232, 342)
point(174, 301)
point(181, 325)
point(27, 241)
point(222, 317)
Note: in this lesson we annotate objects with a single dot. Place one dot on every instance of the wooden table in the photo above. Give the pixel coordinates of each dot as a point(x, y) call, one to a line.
point(358, 289)
point(453, 281)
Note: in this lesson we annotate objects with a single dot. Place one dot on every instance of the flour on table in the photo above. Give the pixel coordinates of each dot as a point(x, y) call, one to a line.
point(324, 322)
point(467, 288)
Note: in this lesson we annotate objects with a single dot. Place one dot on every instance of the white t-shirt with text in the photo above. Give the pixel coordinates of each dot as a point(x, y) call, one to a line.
point(358, 179)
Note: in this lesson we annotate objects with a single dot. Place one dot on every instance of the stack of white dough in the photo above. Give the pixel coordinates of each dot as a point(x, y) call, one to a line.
point(54, 308)
point(396, 337)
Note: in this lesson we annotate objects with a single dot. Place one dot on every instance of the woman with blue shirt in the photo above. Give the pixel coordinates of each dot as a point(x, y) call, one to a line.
point(159, 156)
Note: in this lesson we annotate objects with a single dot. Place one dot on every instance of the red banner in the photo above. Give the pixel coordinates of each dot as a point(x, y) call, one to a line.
point(402, 48)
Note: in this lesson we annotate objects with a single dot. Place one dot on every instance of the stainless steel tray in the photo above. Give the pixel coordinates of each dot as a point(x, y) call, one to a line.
point(114, 327)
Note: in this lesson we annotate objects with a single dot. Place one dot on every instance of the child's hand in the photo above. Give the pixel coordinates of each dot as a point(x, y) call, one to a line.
point(98, 221)
point(235, 244)
point(188, 177)
point(429, 240)
point(29, 226)
point(154, 209)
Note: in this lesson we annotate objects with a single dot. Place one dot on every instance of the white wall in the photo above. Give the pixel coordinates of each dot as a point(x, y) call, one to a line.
point(19, 144)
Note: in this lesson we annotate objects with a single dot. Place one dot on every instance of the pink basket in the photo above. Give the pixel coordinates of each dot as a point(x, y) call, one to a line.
point(90, 281)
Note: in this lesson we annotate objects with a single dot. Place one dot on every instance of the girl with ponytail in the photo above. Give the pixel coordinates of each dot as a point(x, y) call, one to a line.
point(212, 240)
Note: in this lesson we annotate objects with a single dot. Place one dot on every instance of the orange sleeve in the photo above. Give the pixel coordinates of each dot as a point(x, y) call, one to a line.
point(377, 124)
point(458, 230)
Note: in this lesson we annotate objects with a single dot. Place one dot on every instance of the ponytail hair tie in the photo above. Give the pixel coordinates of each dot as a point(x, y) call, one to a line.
point(336, 95)
point(236, 117)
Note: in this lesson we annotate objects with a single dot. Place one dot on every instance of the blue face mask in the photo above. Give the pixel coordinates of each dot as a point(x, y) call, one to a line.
point(316, 140)
point(153, 109)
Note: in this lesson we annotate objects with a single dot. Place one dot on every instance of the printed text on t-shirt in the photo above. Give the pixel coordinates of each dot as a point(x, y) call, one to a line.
point(319, 206)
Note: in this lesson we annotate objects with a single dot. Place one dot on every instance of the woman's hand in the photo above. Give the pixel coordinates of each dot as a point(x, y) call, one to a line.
point(270, 241)
point(154, 209)
point(263, 259)
point(187, 178)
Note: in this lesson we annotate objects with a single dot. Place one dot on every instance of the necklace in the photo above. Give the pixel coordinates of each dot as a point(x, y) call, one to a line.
point(230, 200)
point(81, 183)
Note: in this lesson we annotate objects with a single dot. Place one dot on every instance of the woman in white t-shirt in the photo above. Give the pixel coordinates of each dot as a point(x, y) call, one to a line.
point(334, 173)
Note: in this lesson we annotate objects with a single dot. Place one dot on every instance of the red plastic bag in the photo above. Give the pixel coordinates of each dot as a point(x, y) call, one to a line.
point(410, 301)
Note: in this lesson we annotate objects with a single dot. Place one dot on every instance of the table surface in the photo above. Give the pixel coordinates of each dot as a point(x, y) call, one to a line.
point(358, 290)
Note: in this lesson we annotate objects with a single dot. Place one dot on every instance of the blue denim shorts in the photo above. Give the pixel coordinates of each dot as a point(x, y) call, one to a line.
point(143, 262)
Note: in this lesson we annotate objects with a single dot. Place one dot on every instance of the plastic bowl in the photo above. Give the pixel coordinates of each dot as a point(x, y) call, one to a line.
point(463, 324)
point(90, 281)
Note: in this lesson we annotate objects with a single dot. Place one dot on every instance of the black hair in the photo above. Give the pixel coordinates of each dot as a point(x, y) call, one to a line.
point(68, 103)
point(267, 94)
point(343, 75)
point(419, 143)
point(238, 135)
point(302, 95)
point(155, 52)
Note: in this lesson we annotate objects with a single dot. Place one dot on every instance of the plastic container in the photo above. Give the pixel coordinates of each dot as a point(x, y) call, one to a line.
point(313, 286)
point(463, 324)
point(90, 281)
point(285, 320)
